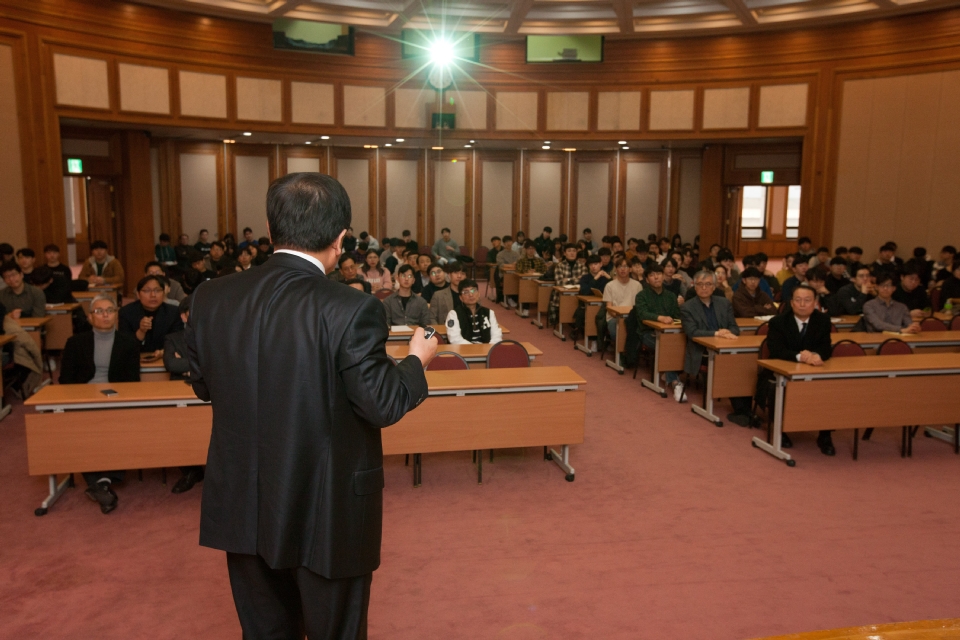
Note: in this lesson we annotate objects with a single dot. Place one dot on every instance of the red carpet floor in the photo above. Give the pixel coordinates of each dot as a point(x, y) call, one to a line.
point(672, 529)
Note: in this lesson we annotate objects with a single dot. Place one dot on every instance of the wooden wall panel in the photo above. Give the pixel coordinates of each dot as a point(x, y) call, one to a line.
point(311, 103)
point(516, 111)
point(410, 107)
point(642, 199)
point(299, 165)
point(450, 199)
point(471, 109)
point(671, 110)
point(783, 105)
point(402, 196)
point(497, 200)
point(618, 110)
point(144, 88)
point(688, 200)
point(135, 222)
point(203, 94)
point(12, 204)
point(200, 187)
point(545, 197)
point(354, 175)
point(364, 106)
point(568, 110)
point(727, 108)
point(594, 199)
point(81, 82)
point(251, 179)
point(259, 99)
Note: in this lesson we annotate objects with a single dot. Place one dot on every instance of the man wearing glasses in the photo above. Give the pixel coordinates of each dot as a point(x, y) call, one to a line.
point(101, 355)
point(471, 323)
point(148, 318)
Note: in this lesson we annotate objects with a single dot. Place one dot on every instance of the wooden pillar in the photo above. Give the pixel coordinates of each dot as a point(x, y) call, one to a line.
point(711, 197)
point(136, 208)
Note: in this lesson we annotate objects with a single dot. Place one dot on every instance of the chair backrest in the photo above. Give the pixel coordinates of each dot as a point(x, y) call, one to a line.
point(392, 359)
point(846, 348)
point(383, 293)
point(935, 297)
point(932, 324)
point(764, 348)
point(894, 347)
point(833, 328)
point(448, 361)
point(508, 354)
point(955, 323)
point(484, 251)
point(763, 329)
point(464, 251)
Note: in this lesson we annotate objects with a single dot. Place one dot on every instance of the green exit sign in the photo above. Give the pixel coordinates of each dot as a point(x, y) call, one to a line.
point(74, 165)
point(766, 177)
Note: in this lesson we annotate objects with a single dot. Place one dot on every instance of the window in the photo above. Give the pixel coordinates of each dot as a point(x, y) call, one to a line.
point(793, 212)
point(753, 213)
point(770, 213)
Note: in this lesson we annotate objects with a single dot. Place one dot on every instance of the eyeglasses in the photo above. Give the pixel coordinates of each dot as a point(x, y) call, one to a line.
point(109, 311)
point(436, 272)
point(151, 291)
point(704, 284)
point(470, 291)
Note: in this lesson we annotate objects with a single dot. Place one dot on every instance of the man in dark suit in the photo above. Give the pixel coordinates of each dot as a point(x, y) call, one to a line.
point(802, 334)
point(101, 355)
point(296, 368)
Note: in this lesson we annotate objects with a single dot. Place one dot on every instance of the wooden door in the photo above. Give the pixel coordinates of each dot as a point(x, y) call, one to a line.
point(101, 212)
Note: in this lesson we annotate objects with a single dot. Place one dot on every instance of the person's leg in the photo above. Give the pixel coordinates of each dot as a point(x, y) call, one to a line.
point(191, 476)
point(267, 600)
point(98, 488)
point(334, 608)
point(612, 330)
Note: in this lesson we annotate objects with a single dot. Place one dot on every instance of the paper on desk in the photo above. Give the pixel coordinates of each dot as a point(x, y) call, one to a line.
point(763, 318)
point(571, 286)
point(836, 320)
point(401, 328)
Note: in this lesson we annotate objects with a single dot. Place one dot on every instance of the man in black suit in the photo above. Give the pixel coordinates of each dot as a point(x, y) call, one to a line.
point(101, 355)
point(296, 368)
point(803, 335)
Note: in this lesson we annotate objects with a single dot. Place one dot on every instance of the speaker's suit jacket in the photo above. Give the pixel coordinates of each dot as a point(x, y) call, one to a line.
point(296, 368)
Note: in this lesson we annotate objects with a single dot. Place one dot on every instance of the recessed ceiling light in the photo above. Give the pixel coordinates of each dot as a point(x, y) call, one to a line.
point(387, 144)
point(473, 142)
point(546, 146)
point(622, 142)
point(625, 148)
point(437, 148)
point(229, 141)
point(247, 133)
point(466, 146)
point(324, 137)
point(307, 142)
point(569, 149)
point(546, 142)
point(400, 139)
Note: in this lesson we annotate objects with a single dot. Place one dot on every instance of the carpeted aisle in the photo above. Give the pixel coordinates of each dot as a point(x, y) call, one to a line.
point(672, 529)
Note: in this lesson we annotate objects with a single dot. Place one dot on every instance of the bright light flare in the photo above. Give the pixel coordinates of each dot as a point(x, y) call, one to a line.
point(441, 52)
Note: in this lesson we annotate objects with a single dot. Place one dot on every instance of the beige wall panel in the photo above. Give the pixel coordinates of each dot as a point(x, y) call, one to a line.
point(642, 199)
point(471, 109)
point(410, 107)
point(516, 110)
point(81, 82)
point(545, 185)
point(688, 207)
point(198, 194)
point(303, 165)
point(401, 197)
point(851, 165)
point(915, 179)
point(726, 108)
point(144, 89)
point(497, 201)
point(568, 111)
point(203, 95)
point(354, 175)
point(593, 196)
point(783, 105)
point(259, 99)
point(944, 221)
point(12, 206)
point(155, 196)
point(449, 199)
point(311, 102)
point(364, 106)
point(883, 152)
point(671, 110)
point(618, 110)
point(252, 180)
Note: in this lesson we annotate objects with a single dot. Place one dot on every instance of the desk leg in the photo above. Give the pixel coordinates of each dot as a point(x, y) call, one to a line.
point(563, 461)
point(706, 411)
point(523, 312)
point(559, 331)
point(947, 434)
point(775, 448)
point(585, 347)
point(5, 410)
point(654, 384)
point(539, 320)
point(56, 490)
point(615, 363)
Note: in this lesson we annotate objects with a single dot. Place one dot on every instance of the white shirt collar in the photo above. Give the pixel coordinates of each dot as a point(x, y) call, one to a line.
point(306, 257)
point(800, 322)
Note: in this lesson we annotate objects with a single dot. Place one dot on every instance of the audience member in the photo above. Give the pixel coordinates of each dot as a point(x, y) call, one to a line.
point(805, 248)
point(403, 307)
point(148, 318)
point(349, 243)
point(620, 292)
point(173, 289)
point(359, 284)
point(446, 248)
point(507, 256)
point(567, 272)
point(19, 299)
point(346, 268)
point(448, 298)
point(264, 251)
point(197, 274)
point(723, 284)
point(217, 259)
point(248, 239)
point(409, 241)
point(203, 243)
point(595, 278)
point(518, 242)
point(55, 290)
point(838, 275)
point(27, 259)
point(470, 322)
point(438, 281)
point(786, 270)
point(588, 238)
point(800, 267)
point(883, 313)
point(941, 268)
point(951, 285)
point(183, 251)
point(101, 268)
point(725, 257)
point(372, 244)
point(51, 254)
point(371, 271)
point(749, 300)
point(657, 304)
point(164, 252)
point(496, 245)
point(826, 302)
point(822, 256)
point(853, 295)
point(671, 280)
point(544, 241)
point(531, 262)
point(910, 293)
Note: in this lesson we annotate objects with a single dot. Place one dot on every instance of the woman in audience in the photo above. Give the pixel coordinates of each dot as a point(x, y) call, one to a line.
point(372, 272)
point(723, 286)
point(951, 286)
point(636, 269)
point(670, 280)
point(230, 245)
point(402, 306)
point(786, 271)
point(685, 278)
point(519, 240)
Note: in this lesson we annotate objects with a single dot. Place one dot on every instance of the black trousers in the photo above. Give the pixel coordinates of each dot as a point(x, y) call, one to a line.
point(286, 604)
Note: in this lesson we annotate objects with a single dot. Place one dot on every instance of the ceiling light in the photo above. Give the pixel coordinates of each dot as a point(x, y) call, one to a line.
point(625, 148)
point(437, 148)
point(441, 52)
point(454, 160)
point(387, 144)
point(324, 137)
point(569, 149)
point(229, 141)
point(466, 146)
point(473, 142)
point(546, 142)
point(400, 139)
point(622, 142)
point(247, 133)
point(546, 146)
point(307, 142)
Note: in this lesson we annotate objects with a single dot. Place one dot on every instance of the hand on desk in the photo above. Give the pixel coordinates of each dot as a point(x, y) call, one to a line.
point(917, 315)
point(665, 319)
point(913, 328)
point(15, 314)
point(423, 348)
point(725, 333)
point(811, 358)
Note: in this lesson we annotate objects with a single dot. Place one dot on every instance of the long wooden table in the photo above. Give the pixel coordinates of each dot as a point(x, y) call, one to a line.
point(4, 408)
point(568, 306)
point(441, 330)
point(474, 354)
point(671, 347)
point(732, 363)
point(544, 289)
point(843, 323)
point(862, 392)
point(620, 313)
point(592, 306)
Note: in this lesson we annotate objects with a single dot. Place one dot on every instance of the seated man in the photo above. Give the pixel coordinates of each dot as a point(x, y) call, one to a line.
point(27, 259)
point(164, 251)
point(802, 334)
point(403, 307)
point(446, 248)
point(148, 318)
point(568, 271)
point(496, 245)
point(471, 323)
point(620, 292)
point(101, 268)
point(508, 256)
point(55, 290)
point(530, 262)
point(851, 297)
point(20, 299)
point(910, 293)
point(218, 260)
point(883, 313)
point(51, 253)
point(437, 282)
point(748, 300)
point(606, 258)
point(197, 274)
point(595, 278)
point(174, 289)
point(838, 275)
point(101, 355)
point(657, 304)
point(346, 269)
point(175, 361)
point(448, 298)
point(707, 315)
point(800, 267)
point(826, 302)
point(359, 284)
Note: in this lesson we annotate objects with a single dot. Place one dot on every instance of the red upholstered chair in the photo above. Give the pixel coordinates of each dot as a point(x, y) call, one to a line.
point(763, 329)
point(448, 361)
point(833, 328)
point(955, 324)
point(843, 349)
point(382, 293)
point(936, 296)
point(932, 324)
point(893, 347)
point(508, 354)
point(766, 391)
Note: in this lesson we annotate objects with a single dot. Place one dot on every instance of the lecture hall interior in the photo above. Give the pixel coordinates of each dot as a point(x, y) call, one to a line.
point(587, 495)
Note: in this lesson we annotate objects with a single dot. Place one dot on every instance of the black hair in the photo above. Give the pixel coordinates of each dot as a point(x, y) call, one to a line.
point(98, 244)
point(920, 253)
point(529, 243)
point(404, 268)
point(548, 229)
point(468, 283)
point(803, 286)
point(6, 249)
point(885, 275)
point(506, 239)
point(364, 235)
point(654, 268)
point(949, 249)
point(343, 258)
point(855, 249)
point(569, 245)
point(27, 251)
point(750, 261)
point(203, 231)
point(604, 251)
point(307, 210)
point(587, 230)
point(164, 237)
point(495, 238)
point(804, 240)
point(145, 279)
point(152, 263)
point(750, 272)
point(447, 229)
point(837, 260)
point(9, 265)
point(840, 251)
point(366, 285)
point(762, 257)
point(823, 249)
point(185, 304)
point(245, 229)
point(247, 250)
point(218, 243)
point(405, 232)
point(642, 247)
point(910, 269)
point(676, 267)
point(454, 266)
point(724, 254)
point(799, 258)
point(593, 259)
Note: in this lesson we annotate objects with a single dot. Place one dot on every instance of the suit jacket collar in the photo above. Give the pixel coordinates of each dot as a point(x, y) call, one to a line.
point(295, 261)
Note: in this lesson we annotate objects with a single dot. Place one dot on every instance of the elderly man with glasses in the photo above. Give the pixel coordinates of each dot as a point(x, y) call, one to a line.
point(101, 355)
point(148, 318)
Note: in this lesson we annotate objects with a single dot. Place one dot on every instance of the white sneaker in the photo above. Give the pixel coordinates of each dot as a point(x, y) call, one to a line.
point(512, 303)
point(678, 393)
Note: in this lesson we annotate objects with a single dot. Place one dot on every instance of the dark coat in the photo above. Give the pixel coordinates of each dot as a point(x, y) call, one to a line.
point(77, 367)
point(784, 337)
point(296, 367)
point(695, 326)
point(166, 320)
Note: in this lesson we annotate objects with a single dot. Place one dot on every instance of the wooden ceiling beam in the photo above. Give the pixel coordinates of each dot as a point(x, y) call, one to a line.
point(624, 11)
point(281, 7)
point(518, 15)
point(742, 11)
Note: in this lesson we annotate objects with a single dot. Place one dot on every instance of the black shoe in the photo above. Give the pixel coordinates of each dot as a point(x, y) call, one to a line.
point(785, 441)
point(867, 433)
point(755, 421)
point(186, 482)
point(739, 418)
point(826, 446)
point(104, 495)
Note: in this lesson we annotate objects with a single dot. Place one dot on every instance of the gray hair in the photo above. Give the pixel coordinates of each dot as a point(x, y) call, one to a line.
point(104, 296)
point(704, 274)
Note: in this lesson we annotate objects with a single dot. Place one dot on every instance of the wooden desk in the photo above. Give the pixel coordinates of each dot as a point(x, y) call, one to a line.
point(591, 307)
point(919, 630)
point(511, 282)
point(5, 409)
point(620, 313)
point(153, 370)
point(61, 324)
point(85, 298)
point(862, 392)
point(441, 330)
point(843, 323)
point(526, 292)
point(544, 289)
point(671, 348)
point(36, 327)
point(474, 354)
point(76, 428)
point(474, 395)
point(568, 306)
